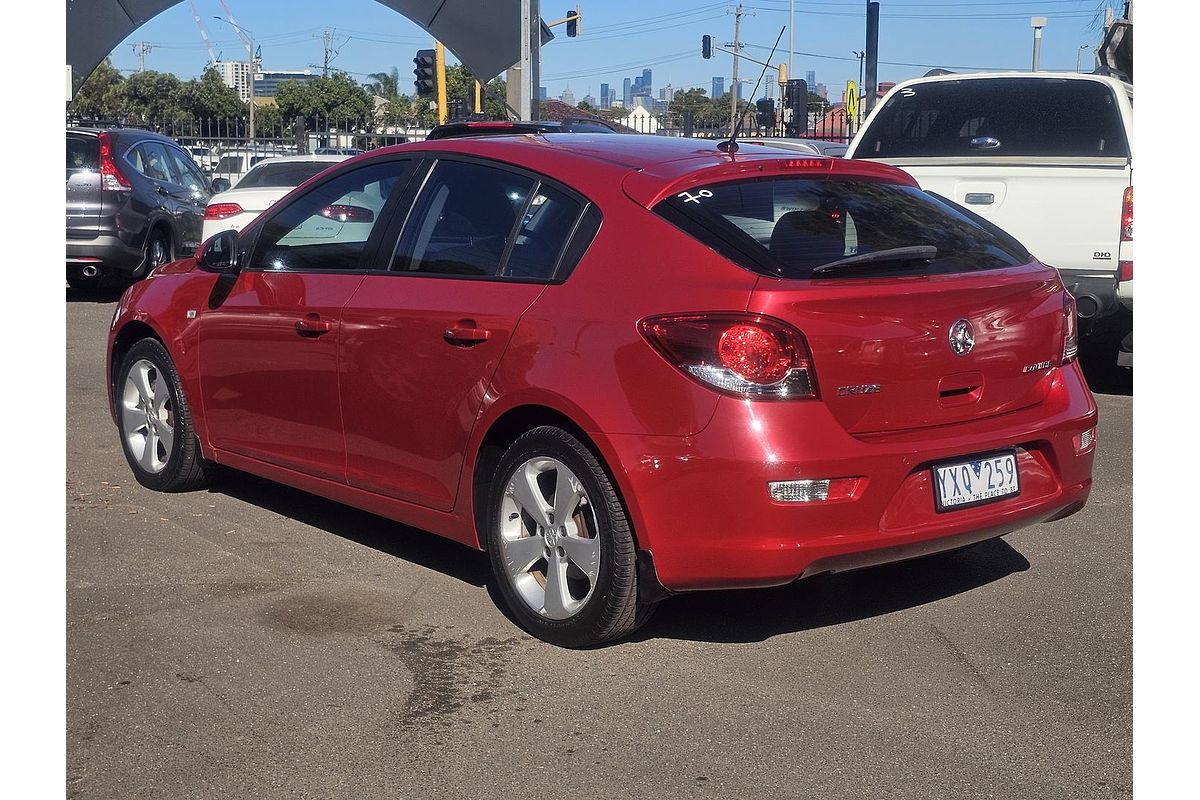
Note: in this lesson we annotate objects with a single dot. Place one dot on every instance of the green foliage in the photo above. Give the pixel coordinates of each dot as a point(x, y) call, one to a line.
point(460, 85)
point(210, 98)
point(337, 97)
point(97, 97)
point(149, 96)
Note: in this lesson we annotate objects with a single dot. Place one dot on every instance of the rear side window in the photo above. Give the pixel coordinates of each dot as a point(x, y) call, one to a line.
point(150, 159)
point(462, 221)
point(290, 173)
point(545, 227)
point(792, 227)
point(229, 164)
point(998, 117)
point(83, 154)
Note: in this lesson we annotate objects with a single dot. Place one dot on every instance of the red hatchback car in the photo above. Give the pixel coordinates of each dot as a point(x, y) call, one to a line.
point(625, 366)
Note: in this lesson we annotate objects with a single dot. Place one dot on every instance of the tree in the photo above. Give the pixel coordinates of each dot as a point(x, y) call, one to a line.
point(385, 85)
point(460, 86)
point(337, 97)
point(584, 105)
point(209, 98)
point(97, 97)
point(149, 97)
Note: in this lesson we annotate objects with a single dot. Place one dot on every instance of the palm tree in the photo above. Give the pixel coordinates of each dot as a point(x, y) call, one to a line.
point(385, 84)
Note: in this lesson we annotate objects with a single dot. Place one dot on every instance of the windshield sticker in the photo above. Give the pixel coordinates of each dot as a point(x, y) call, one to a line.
point(688, 197)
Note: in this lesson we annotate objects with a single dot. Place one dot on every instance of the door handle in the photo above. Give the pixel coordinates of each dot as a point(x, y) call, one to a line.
point(312, 326)
point(466, 334)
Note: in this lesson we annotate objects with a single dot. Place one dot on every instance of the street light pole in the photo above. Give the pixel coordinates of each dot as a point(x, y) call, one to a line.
point(1079, 55)
point(248, 37)
point(1037, 23)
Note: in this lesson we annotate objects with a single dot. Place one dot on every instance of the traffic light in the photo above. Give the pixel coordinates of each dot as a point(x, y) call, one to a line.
point(426, 73)
point(706, 46)
point(766, 112)
point(573, 22)
point(795, 101)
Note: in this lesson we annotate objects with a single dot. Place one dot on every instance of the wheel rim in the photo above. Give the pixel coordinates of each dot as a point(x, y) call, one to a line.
point(158, 253)
point(549, 537)
point(147, 416)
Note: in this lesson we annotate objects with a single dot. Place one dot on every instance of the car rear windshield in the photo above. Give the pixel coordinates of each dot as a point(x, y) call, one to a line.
point(83, 154)
point(998, 117)
point(287, 174)
point(792, 227)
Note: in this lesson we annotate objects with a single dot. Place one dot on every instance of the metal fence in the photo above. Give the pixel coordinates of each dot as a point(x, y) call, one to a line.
point(829, 126)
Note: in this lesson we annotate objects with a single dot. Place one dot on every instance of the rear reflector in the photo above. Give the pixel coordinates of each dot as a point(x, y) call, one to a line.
point(222, 211)
point(1085, 440)
point(818, 490)
point(1125, 271)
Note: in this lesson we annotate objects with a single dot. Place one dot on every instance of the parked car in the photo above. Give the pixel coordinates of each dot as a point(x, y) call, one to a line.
point(258, 189)
point(135, 200)
point(1047, 156)
point(235, 163)
point(203, 156)
point(817, 147)
point(457, 130)
point(338, 151)
point(624, 366)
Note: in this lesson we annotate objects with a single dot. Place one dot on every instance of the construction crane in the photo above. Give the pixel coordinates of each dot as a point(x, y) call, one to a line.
point(229, 16)
point(212, 58)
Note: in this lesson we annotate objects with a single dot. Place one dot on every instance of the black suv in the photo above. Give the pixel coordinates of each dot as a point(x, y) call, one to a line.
point(135, 200)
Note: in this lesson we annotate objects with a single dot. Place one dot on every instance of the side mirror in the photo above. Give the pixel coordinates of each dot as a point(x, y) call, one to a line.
point(219, 254)
point(220, 185)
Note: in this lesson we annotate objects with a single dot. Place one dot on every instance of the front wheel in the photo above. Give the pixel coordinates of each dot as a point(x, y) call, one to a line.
point(560, 543)
point(155, 422)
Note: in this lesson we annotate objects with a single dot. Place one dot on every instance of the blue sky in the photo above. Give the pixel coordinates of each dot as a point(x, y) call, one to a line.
point(620, 37)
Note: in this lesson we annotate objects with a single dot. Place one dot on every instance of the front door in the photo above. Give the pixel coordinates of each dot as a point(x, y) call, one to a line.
point(269, 346)
point(421, 341)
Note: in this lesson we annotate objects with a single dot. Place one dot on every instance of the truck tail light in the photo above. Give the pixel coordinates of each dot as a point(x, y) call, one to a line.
point(744, 355)
point(1124, 271)
point(222, 211)
point(110, 177)
point(1127, 216)
point(1070, 329)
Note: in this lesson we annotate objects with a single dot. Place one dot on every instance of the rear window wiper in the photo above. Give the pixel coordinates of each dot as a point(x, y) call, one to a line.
point(897, 254)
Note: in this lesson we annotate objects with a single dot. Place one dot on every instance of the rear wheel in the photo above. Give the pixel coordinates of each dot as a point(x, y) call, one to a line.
point(155, 422)
point(158, 252)
point(560, 543)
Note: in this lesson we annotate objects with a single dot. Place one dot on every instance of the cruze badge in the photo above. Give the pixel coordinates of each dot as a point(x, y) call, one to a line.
point(1037, 367)
point(862, 388)
point(962, 337)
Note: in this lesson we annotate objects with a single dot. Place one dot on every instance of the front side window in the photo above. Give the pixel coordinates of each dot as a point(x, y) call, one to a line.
point(328, 227)
point(798, 227)
point(462, 221)
point(186, 173)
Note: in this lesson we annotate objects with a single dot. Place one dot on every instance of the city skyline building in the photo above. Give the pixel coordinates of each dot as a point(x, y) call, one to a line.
point(236, 75)
point(605, 96)
point(718, 86)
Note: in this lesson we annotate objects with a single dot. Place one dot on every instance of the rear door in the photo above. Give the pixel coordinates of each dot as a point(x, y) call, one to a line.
point(423, 339)
point(83, 186)
point(1047, 159)
point(191, 191)
point(269, 344)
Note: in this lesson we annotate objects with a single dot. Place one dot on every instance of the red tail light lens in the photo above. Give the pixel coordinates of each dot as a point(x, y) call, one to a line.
point(346, 213)
point(1070, 329)
point(1127, 216)
point(743, 355)
point(222, 211)
point(1124, 271)
point(110, 177)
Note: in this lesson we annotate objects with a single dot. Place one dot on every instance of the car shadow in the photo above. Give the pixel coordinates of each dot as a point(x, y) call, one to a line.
point(101, 293)
point(361, 527)
point(724, 616)
point(753, 615)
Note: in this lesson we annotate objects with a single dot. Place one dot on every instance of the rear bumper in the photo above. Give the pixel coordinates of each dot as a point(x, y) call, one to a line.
point(1095, 292)
point(108, 253)
point(702, 508)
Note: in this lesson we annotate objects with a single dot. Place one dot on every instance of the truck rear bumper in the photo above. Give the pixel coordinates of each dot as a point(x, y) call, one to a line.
point(1095, 292)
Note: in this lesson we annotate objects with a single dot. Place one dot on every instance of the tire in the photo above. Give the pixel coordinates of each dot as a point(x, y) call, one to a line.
point(154, 421)
point(571, 582)
point(158, 252)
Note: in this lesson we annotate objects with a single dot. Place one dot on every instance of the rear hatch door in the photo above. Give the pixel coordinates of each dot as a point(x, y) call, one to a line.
point(83, 186)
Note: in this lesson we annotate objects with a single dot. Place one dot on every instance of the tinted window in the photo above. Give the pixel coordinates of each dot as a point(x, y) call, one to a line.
point(545, 226)
point(327, 228)
point(229, 164)
point(998, 117)
point(462, 220)
point(83, 154)
point(186, 173)
point(288, 173)
point(791, 226)
point(150, 159)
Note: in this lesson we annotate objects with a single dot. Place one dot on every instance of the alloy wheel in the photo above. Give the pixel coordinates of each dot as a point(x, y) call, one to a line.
point(147, 416)
point(550, 539)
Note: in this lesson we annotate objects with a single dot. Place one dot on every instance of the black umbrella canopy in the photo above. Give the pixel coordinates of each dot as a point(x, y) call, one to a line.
point(485, 36)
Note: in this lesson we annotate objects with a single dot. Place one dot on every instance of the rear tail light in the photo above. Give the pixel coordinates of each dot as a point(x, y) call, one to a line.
point(1070, 329)
point(222, 211)
point(346, 213)
point(1127, 216)
point(1124, 271)
point(819, 490)
point(743, 355)
point(110, 177)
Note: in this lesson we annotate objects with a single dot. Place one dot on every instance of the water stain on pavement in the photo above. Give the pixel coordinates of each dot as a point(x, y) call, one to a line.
point(317, 614)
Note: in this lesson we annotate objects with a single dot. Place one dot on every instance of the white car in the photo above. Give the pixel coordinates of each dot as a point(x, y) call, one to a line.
point(266, 182)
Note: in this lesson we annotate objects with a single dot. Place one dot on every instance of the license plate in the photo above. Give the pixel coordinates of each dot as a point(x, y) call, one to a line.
point(978, 480)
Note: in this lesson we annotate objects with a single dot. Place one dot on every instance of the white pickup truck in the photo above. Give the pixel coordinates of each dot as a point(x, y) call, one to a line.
point(1047, 156)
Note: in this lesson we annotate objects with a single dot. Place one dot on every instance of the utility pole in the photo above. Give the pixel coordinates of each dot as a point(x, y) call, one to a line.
point(247, 38)
point(141, 48)
point(791, 35)
point(1037, 23)
point(325, 67)
point(872, 56)
point(733, 91)
point(442, 104)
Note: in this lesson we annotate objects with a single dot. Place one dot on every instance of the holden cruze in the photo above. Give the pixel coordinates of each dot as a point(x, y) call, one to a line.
point(624, 366)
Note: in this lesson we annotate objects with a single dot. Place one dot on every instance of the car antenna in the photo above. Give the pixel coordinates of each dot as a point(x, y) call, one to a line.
point(730, 145)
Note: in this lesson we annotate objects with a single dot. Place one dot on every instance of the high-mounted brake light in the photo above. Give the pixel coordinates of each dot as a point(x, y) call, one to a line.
point(804, 163)
point(222, 211)
point(489, 124)
point(1127, 216)
point(110, 177)
point(744, 355)
point(1070, 329)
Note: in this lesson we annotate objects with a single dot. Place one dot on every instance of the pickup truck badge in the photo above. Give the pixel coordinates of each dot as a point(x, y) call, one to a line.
point(962, 338)
point(862, 388)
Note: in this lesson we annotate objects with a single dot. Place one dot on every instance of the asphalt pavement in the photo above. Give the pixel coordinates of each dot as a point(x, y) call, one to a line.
point(255, 641)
